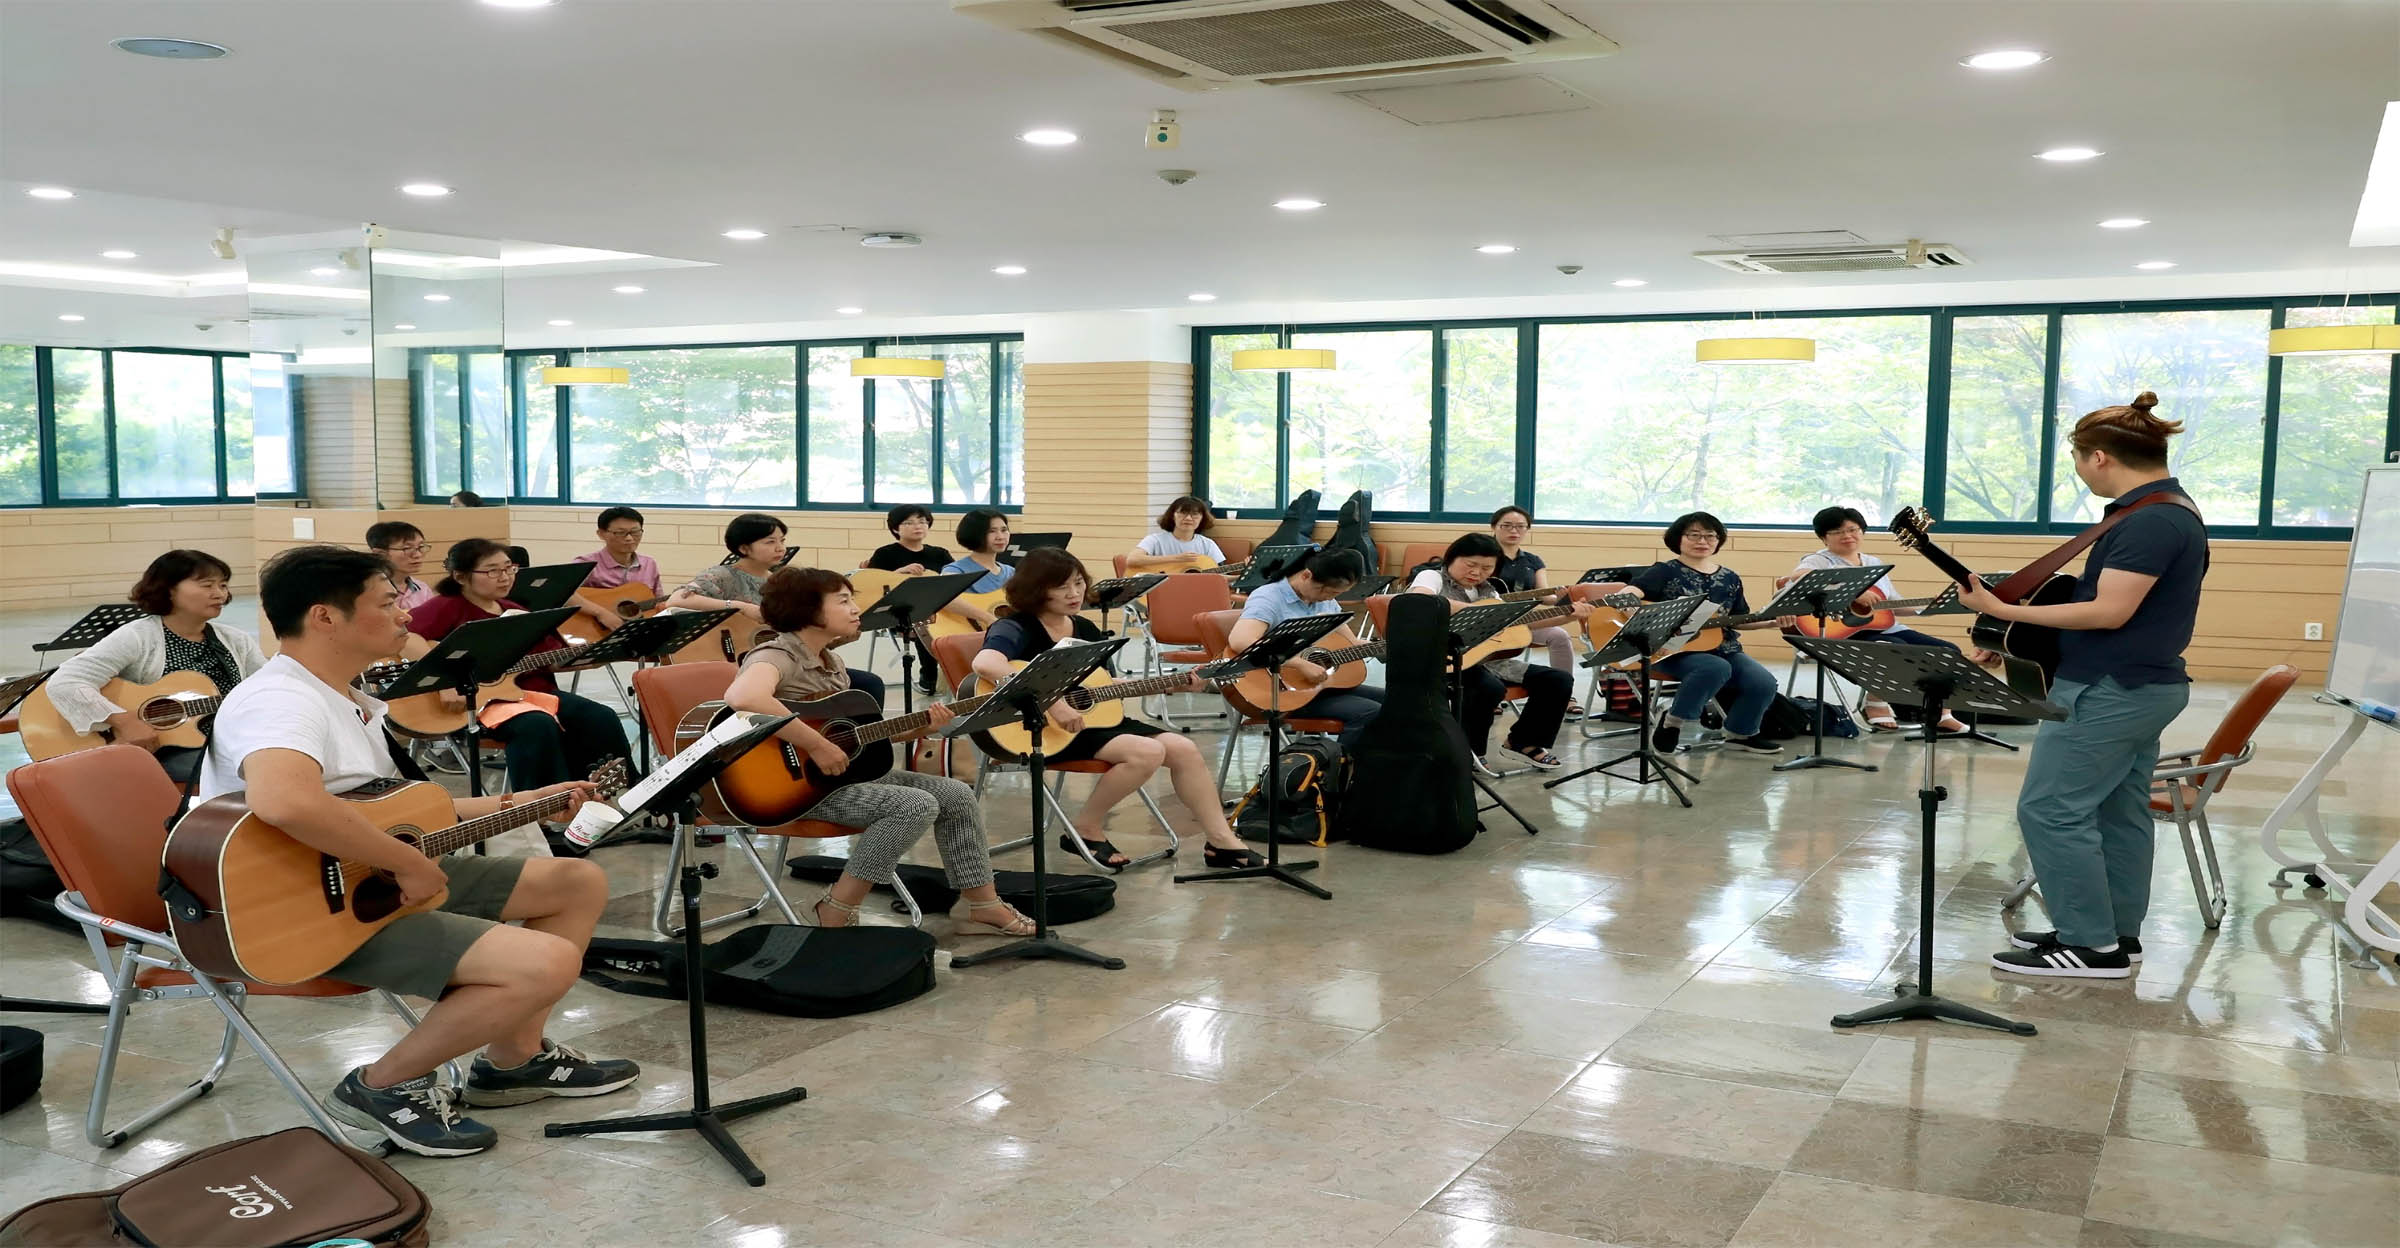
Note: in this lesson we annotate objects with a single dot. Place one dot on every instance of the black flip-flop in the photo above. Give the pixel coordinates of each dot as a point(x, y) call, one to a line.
point(1220, 859)
point(1101, 850)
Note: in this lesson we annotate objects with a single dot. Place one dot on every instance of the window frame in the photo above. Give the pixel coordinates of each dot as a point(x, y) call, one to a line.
point(1941, 320)
point(46, 418)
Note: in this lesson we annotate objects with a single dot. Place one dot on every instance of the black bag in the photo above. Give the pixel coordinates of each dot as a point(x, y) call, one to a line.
point(1307, 802)
point(20, 1066)
point(1352, 529)
point(1784, 720)
point(294, 1188)
point(806, 972)
point(1072, 898)
point(1838, 722)
point(28, 883)
point(1410, 787)
point(1298, 528)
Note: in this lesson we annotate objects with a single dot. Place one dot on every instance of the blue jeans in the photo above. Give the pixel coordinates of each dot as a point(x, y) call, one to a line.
point(2085, 809)
point(1355, 707)
point(1705, 673)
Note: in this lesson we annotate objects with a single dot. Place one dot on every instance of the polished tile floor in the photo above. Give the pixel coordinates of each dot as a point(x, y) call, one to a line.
point(1614, 1032)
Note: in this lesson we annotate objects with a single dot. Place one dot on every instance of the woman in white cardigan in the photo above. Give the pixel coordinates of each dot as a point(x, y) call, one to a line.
point(183, 591)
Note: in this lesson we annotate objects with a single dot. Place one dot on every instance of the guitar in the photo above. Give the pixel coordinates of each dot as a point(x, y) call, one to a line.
point(1190, 563)
point(1101, 701)
point(173, 704)
point(947, 622)
point(250, 901)
point(726, 643)
point(2029, 652)
point(629, 602)
point(776, 782)
point(1345, 667)
point(426, 715)
point(1852, 621)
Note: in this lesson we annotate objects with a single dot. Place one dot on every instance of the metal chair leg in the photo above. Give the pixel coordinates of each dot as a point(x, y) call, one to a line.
point(748, 843)
point(670, 900)
point(2024, 888)
point(2209, 889)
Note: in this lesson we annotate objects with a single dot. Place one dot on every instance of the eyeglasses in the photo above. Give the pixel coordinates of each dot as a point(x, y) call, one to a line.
point(506, 569)
point(1513, 527)
point(622, 532)
point(416, 548)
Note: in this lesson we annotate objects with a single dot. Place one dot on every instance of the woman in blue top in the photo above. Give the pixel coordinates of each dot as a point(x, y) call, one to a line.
point(982, 534)
point(1696, 538)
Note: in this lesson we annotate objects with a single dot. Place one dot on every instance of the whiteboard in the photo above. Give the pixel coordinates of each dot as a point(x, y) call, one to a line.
point(2366, 639)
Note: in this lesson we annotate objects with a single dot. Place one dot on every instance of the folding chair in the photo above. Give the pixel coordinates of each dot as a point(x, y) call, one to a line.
point(956, 653)
point(669, 697)
point(101, 817)
point(1215, 627)
point(1171, 609)
point(2183, 782)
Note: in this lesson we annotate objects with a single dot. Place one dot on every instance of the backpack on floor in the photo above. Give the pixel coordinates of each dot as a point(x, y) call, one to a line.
point(1784, 720)
point(28, 882)
point(20, 1066)
point(1307, 801)
point(1072, 898)
point(806, 972)
point(294, 1187)
point(1838, 722)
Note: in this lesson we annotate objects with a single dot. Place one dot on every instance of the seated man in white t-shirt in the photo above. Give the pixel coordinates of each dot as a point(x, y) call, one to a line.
point(293, 735)
point(1182, 533)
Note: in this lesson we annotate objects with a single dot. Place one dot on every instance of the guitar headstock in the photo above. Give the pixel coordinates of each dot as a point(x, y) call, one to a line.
point(610, 777)
point(1909, 524)
point(1623, 599)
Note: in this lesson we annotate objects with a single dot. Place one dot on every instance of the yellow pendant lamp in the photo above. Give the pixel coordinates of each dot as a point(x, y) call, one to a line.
point(898, 366)
point(1755, 351)
point(2335, 340)
point(1282, 360)
point(561, 375)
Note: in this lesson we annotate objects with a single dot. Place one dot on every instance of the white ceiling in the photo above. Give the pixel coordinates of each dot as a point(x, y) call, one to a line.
point(2243, 128)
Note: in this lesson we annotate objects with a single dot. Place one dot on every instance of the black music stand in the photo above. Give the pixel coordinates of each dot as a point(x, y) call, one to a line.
point(1279, 645)
point(1930, 677)
point(540, 589)
point(1471, 626)
point(1824, 593)
point(1272, 563)
point(474, 654)
point(1644, 633)
point(18, 688)
point(1620, 573)
point(663, 793)
point(1946, 603)
point(1021, 544)
point(647, 640)
point(908, 603)
point(1025, 698)
point(1118, 593)
point(1367, 587)
point(96, 623)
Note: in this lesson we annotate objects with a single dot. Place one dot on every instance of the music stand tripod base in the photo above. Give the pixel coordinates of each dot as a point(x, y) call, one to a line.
point(1643, 634)
point(1822, 592)
point(1279, 645)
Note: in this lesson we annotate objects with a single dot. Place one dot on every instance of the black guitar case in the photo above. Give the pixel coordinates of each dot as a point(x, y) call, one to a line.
point(1350, 529)
point(1299, 528)
point(1410, 788)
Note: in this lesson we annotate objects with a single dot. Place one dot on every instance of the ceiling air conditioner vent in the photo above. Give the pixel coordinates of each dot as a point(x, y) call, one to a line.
point(1202, 45)
point(1854, 258)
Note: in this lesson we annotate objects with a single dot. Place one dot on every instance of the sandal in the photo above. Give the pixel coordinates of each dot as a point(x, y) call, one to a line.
point(1574, 710)
point(1881, 719)
point(1108, 856)
point(1217, 859)
point(1538, 756)
point(1951, 724)
point(1017, 925)
point(848, 912)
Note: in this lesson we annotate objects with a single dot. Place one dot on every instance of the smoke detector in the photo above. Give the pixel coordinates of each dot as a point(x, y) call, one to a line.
point(889, 239)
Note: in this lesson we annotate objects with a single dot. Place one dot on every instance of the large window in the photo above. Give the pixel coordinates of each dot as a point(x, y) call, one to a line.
point(81, 426)
point(1963, 411)
point(766, 425)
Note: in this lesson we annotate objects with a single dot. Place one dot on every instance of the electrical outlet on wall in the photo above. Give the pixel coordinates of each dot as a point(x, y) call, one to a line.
point(2312, 631)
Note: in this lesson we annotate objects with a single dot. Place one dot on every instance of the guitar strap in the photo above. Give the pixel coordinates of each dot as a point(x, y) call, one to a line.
point(2029, 578)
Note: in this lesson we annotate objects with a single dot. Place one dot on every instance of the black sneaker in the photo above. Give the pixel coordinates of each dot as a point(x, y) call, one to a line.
point(1667, 738)
point(420, 1115)
point(1756, 745)
point(555, 1071)
point(2066, 961)
point(2130, 946)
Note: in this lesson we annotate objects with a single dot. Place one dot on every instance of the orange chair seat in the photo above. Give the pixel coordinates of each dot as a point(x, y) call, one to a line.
point(1186, 656)
point(8, 723)
point(160, 977)
point(809, 829)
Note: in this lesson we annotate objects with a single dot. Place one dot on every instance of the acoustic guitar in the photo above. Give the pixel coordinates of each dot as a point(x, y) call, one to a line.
point(2028, 652)
point(947, 622)
point(726, 643)
point(1101, 701)
point(1345, 667)
point(627, 602)
point(1853, 621)
point(427, 715)
point(173, 704)
point(250, 901)
point(1190, 563)
point(776, 782)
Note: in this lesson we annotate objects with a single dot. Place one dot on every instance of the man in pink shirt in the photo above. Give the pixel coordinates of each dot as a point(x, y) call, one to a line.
point(619, 560)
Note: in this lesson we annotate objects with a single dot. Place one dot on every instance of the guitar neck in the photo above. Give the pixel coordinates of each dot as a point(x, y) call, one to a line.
point(536, 662)
point(1086, 697)
point(1350, 654)
point(460, 835)
point(918, 724)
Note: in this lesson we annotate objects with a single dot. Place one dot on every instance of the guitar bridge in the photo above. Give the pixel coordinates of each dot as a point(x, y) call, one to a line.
point(337, 893)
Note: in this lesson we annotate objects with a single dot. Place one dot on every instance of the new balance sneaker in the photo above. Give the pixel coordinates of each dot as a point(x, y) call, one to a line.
point(2066, 961)
point(2131, 946)
point(1756, 745)
point(420, 1115)
point(1667, 738)
point(555, 1071)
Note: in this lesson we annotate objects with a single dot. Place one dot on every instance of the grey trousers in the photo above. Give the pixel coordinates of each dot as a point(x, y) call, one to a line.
point(894, 813)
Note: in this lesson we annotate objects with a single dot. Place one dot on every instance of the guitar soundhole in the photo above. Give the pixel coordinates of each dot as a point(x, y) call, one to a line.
point(842, 733)
point(376, 897)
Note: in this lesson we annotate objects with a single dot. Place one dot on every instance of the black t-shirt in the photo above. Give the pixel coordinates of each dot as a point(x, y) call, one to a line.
point(893, 556)
point(1673, 578)
point(2168, 542)
point(1517, 574)
point(1022, 639)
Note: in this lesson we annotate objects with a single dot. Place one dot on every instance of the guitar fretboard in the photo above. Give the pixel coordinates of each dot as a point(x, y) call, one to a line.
point(460, 835)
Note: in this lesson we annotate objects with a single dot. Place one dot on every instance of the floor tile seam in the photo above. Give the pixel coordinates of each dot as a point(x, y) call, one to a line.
point(2115, 1134)
point(2365, 1103)
point(1902, 1191)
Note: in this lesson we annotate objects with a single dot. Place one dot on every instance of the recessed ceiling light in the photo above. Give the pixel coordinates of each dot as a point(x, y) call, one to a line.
point(1010, 270)
point(69, 316)
point(2154, 266)
point(627, 290)
point(51, 192)
point(119, 253)
point(849, 311)
point(1497, 249)
point(2124, 223)
point(424, 190)
point(2013, 58)
point(404, 327)
point(1201, 296)
point(324, 270)
point(168, 49)
point(560, 324)
point(1048, 137)
point(746, 235)
point(1300, 204)
point(437, 298)
point(1629, 282)
point(2068, 155)
point(519, 4)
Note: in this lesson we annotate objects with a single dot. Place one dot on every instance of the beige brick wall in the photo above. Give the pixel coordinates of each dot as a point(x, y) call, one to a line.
point(94, 554)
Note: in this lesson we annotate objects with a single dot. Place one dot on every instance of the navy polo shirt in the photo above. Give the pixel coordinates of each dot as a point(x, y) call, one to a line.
point(2165, 541)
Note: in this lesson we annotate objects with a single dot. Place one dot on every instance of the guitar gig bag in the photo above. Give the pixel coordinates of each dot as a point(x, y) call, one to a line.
point(1410, 787)
point(1351, 531)
point(1073, 898)
point(294, 1187)
point(806, 972)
